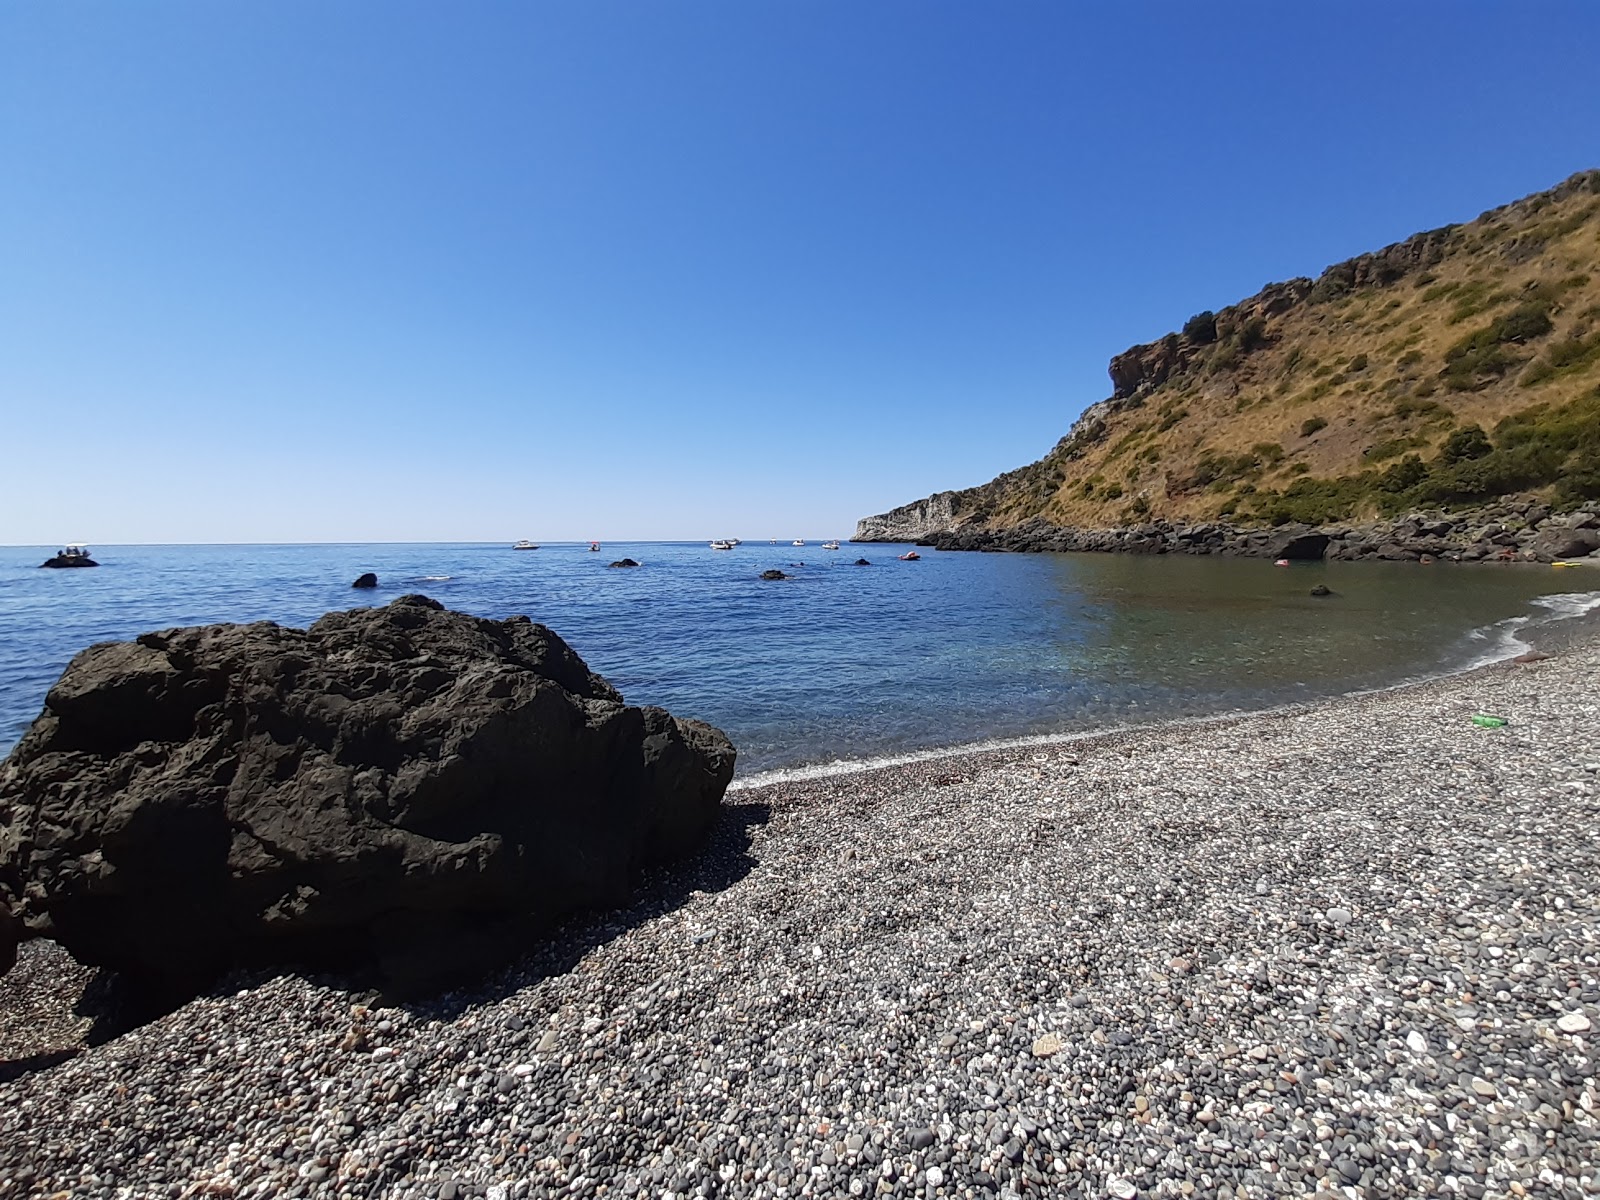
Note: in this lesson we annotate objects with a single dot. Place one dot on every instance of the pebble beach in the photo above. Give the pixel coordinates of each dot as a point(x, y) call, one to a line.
point(1349, 949)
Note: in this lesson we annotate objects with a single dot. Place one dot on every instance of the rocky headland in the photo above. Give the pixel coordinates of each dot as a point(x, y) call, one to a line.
point(1437, 379)
point(1525, 531)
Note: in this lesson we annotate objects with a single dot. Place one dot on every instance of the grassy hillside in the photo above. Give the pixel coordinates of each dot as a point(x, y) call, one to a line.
point(1459, 365)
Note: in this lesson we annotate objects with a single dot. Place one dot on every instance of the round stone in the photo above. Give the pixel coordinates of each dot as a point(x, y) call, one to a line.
point(1573, 1022)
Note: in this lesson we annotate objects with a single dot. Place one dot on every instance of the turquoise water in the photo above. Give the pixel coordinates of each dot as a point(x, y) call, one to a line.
point(841, 662)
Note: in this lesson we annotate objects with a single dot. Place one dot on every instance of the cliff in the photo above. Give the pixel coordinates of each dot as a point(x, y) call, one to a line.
point(1449, 370)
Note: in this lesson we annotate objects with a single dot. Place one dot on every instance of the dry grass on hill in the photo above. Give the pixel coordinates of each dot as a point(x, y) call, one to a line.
point(1339, 388)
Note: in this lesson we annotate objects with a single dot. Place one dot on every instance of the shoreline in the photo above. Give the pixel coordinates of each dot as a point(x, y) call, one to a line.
point(1343, 932)
point(1552, 635)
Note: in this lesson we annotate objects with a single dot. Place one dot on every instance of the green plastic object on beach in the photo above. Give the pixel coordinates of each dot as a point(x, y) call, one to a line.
point(1489, 722)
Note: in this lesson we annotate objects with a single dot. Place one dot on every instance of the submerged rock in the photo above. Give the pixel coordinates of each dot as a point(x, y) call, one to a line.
point(369, 580)
point(402, 789)
point(1322, 589)
point(625, 562)
point(774, 575)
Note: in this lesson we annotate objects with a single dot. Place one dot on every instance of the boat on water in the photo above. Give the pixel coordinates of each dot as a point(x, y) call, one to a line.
point(74, 555)
point(723, 544)
point(798, 542)
point(594, 547)
point(830, 545)
point(909, 556)
point(525, 544)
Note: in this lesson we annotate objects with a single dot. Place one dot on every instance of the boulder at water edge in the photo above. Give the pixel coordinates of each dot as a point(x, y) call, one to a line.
point(367, 580)
point(404, 790)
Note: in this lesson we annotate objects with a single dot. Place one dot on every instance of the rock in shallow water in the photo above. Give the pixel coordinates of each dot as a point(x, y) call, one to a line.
point(403, 788)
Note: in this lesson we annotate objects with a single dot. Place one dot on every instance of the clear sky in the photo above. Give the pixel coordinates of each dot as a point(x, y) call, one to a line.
point(310, 271)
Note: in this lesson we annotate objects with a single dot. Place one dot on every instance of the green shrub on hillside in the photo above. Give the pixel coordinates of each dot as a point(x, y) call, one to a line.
point(1201, 328)
point(1484, 352)
point(1565, 357)
point(1465, 443)
point(1392, 447)
point(1537, 447)
point(1311, 424)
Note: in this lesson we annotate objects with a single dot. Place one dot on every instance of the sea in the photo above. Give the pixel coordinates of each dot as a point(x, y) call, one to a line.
point(842, 664)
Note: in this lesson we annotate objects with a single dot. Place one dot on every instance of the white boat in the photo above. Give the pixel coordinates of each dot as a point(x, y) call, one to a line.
point(798, 542)
point(830, 545)
point(594, 547)
point(723, 544)
point(525, 544)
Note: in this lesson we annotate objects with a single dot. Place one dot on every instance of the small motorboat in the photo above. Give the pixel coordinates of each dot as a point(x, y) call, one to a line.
point(723, 544)
point(594, 547)
point(910, 556)
point(830, 545)
point(525, 544)
point(71, 556)
point(798, 542)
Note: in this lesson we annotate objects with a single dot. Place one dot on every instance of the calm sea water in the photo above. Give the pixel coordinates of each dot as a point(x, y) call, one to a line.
point(842, 662)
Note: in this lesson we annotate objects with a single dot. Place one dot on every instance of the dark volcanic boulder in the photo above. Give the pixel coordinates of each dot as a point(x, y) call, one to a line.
point(401, 789)
point(624, 562)
point(10, 936)
point(1301, 546)
point(861, 562)
point(1566, 543)
point(773, 575)
point(369, 580)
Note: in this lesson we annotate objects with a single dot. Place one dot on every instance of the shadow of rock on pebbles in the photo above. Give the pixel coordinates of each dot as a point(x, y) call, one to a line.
point(725, 860)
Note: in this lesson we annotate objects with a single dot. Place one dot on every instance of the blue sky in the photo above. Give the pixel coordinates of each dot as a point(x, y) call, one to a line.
point(411, 271)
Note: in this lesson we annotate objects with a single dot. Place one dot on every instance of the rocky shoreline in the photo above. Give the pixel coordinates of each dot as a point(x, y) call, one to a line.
point(1517, 532)
point(1346, 949)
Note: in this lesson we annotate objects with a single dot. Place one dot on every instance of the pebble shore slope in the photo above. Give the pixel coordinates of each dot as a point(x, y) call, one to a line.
point(1350, 950)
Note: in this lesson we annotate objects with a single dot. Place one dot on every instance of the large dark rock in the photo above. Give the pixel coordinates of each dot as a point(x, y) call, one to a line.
point(625, 562)
point(1554, 543)
point(1301, 546)
point(10, 937)
point(769, 575)
point(401, 789)
point(367, 580)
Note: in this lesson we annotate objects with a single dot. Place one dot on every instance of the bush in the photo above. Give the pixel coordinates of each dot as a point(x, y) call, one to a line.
point(1112, 491)
point(1311, 424)
point(1403, 475)
point(1391, 448)
point(1564, 357)
point(1483, 353)
point(1252, 335)
point(1267, 453)
point(1358, 363)
point(1466, 443)
point(1201, 328)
